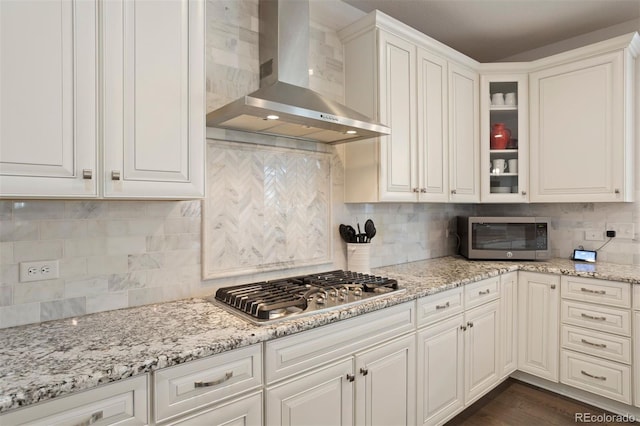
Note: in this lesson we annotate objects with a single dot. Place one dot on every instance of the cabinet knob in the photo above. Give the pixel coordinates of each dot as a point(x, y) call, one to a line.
point(469, 324)
point(351, 377)
point(87, 174)
point(415, 190)
point(617, 191)
point(463, 328)
point(423, 190)
point(453, 191)
point(553, 286)
point(115, 175)
point(364, 371)
point(524, 192)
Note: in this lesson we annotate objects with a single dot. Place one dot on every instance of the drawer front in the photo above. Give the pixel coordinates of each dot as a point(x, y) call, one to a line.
point(124, 403)
point(599, 318)
point(610, 293)
point(294, 354)
point(609, 346)
point(194, 384)
point(480, 292)
point(604, 378)
point(439, 306)
point(241, 411)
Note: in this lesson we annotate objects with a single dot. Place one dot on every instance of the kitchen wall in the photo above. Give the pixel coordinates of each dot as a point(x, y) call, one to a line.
point(117, 254)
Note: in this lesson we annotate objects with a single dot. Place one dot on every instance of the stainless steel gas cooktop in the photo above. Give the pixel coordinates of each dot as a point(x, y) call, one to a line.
point(269, 301)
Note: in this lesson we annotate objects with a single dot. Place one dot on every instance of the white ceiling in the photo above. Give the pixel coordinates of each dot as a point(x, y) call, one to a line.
point(492, 30)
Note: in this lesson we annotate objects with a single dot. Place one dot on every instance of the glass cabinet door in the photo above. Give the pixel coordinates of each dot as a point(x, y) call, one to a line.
point(504, 161)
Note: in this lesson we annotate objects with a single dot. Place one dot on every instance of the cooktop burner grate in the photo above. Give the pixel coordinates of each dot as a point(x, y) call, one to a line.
point(272, 300)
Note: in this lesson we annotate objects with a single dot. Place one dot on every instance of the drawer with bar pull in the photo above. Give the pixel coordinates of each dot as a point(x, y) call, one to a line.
point(603, 345)
point(600, 318)
point(481, 292)
point(610, 293)
point(602, 377)
point(195, 384)
point(439, 306)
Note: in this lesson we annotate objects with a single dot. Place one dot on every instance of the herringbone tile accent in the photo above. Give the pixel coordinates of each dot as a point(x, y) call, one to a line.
point(266, 208)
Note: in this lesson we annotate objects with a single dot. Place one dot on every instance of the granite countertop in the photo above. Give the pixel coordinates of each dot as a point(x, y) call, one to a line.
point(42, 361)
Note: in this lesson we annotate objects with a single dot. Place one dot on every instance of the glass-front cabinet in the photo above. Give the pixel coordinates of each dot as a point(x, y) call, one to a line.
point(504, 143)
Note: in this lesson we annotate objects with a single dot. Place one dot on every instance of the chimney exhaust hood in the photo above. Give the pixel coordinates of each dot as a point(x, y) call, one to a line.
point(284, 106)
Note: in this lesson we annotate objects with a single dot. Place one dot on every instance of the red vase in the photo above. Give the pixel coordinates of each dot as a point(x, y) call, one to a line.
point(500, 136)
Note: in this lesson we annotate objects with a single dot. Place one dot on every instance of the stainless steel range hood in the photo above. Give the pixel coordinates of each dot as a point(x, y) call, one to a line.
point(284, 106)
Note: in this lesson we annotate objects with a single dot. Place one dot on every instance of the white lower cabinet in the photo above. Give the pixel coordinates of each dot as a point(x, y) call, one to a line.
point(195, 386)
point(346, 373)
point(508, 323)
point(596, 337)
point(458, 356)
point(538, 324)
point(121, 403)
point(636, 355)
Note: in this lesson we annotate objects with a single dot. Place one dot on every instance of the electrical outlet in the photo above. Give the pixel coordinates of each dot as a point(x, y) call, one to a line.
point(593, 235)
point(40, 270)
point(623, 230)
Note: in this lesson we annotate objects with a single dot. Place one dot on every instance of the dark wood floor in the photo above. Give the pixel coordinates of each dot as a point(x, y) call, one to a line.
point(520, 404)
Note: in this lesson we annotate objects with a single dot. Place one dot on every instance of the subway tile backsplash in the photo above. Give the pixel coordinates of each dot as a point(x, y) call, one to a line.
point(117, 254)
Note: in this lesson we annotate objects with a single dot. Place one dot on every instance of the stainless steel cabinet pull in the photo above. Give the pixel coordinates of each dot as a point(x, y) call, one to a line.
point(597, 345)
point(586, 290)
point(463, 328)
point(592, 376)
point(115, 175)
point(445, 306)
point(98, 415)
point(351, 377)
point(364, 371)
point(226, 377)
point(482, 293)
point(593, 318)
point(87, 174)
point(470, 324)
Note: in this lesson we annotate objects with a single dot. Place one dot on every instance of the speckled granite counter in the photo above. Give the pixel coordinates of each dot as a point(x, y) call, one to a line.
point(42, 361)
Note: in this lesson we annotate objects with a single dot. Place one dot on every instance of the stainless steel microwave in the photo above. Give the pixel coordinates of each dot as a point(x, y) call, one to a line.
point(511, 238)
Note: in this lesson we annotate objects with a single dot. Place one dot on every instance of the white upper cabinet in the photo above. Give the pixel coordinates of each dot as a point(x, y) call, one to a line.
point(427, 94)
point(464, 133)
point(504, 135)
point(136, 67)
point(154, 97)
point(582, 124)
point(48, 90)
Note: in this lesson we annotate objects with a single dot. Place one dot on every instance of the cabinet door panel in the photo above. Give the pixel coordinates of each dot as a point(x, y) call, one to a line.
point(385, 384)
point(440, 371)
point(508, 323)
point(464, 134)
point(432, 127)
point(324, 397)
point(397, 108)
point(47, 119)
point(590, 132)
point(538, 319)
point(154, 111)
point(481, 353)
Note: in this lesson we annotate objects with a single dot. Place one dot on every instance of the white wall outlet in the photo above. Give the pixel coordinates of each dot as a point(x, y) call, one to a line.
point(593, 235)
point(623, 230)
point(39, 270)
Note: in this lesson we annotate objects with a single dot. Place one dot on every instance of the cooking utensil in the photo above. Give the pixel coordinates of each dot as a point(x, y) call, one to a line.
point(369, 229)
point(343, 233)
point(351, 234)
